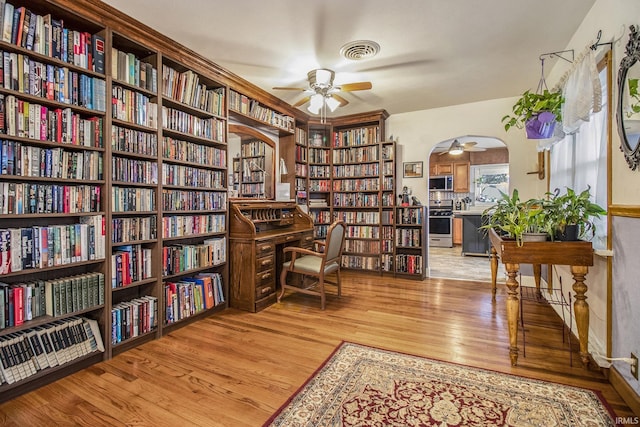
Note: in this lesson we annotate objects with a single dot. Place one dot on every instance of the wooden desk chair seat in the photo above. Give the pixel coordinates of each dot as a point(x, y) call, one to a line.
point(316, 264)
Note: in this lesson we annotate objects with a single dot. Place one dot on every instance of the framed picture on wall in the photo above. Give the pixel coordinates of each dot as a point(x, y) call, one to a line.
point(412, 169)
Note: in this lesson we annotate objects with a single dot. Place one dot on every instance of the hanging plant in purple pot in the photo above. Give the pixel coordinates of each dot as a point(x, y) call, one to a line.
point(537, 113)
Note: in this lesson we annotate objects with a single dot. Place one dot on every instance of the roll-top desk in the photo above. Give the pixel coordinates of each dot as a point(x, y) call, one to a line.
point(258, 233)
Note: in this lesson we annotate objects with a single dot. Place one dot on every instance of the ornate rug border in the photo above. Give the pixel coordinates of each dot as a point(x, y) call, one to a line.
point(597, 393)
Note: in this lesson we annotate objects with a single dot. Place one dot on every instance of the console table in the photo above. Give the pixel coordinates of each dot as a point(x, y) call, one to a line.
point(578, 255)
point(258, 232)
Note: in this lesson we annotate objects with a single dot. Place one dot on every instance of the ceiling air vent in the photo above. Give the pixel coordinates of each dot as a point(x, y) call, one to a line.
point(360, 49)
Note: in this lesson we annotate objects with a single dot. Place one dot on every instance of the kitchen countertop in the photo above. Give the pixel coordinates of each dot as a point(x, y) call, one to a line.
point(470, 211)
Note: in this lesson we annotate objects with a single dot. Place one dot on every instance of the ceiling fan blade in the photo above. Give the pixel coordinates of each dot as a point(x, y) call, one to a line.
point(291, 88)
point(343, 101)
point(302, 101)
point(350, 87)
point(475, 149)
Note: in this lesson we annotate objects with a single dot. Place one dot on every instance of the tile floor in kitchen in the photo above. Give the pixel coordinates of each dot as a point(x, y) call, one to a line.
point(449, 263)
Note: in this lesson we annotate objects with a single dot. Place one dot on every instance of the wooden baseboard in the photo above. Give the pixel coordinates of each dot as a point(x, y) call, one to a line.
point(623, 388)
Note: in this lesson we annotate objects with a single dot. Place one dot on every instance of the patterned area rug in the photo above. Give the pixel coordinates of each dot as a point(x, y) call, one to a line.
point(365, 386)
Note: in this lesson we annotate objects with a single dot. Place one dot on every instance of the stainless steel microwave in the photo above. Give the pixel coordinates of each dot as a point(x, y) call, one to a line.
point(441, 183)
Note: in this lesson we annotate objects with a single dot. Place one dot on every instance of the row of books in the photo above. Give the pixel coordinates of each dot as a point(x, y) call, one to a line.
point(319, 155)
point(181, 200)
point(25, 353)
point(126, 67)
point(320, 216)
point(320, 231)
point(253, 148)
point(179, 258)
point(411, 264)
point(386, 262)
point(21, 302)
point(388, 168)
point(71, 294)
point(131, 229)
point(134, 141)
point(31, 120)
point(358, 170)
point(362, 232)
point(19, 159)
point(189, 176)
point(186, 88)
point(130, 264)
point(410, 215)
point(31, 198)
point(359, 136)
point(323, 185)
point(301, 154)
point(301, 170)
point(48, 36)
point(187, 225)
point(192, 295)
point(180, 121)
point(318, 171)
point(186, 151)
point(371, 263)
point(356, 155)
point(128, 199)
point(133, 318)
point(252, 190)
point(356, 200)
point(363, 184)
point(351, 217)
point(387, 183)
point(362, 246)
point(53, 245)
point(388, 152)
point(21, 73)
point(124, 169)
point(409, 237)
point(133, 107)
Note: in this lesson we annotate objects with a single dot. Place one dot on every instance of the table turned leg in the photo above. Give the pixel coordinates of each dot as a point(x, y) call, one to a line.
point(537, 273)
point(513, 310)
point(494, 272)
point(581, 310)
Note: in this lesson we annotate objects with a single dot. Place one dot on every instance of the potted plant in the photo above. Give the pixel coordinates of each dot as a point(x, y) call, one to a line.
point(522, 221)
point(537, 113)
point(574, 213)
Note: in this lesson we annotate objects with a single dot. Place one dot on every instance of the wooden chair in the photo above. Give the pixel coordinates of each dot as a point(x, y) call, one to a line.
point(314, 266)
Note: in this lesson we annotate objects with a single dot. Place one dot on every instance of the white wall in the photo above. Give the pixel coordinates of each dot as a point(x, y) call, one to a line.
point(419, 131)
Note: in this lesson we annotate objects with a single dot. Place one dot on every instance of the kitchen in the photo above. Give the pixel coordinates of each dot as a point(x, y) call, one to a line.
point(466, 176)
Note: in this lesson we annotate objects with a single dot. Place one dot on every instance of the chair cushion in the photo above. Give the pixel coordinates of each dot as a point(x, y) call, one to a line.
point(311, 265)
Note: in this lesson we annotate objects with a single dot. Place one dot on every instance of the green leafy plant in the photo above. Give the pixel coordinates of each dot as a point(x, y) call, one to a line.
point(515, 218)
point(633, 93)
point(573, 208)
point(530, 105)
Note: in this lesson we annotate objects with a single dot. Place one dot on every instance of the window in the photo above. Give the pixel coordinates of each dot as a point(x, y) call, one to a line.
point(579, 161)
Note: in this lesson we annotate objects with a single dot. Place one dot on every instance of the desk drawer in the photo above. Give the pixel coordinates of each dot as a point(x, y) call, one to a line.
point(306, 241)
point(265, 283)
point(265, 263)
point(264, 248)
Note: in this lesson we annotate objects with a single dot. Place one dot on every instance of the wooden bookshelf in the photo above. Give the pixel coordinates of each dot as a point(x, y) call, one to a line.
point(411, 241)
point(193, 256)
point(134, 281)
point(254, 113)
point(54, 203)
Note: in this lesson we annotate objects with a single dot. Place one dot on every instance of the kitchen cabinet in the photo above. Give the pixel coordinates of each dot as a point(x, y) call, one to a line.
point(457, 231)
point(441, 169)
point(461, 177)
point(474, 240)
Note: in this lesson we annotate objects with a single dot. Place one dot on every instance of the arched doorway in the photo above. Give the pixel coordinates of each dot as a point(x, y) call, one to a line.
point(466, 176)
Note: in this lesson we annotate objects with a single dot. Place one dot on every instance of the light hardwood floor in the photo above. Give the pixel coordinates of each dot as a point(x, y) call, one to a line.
point(237, 368)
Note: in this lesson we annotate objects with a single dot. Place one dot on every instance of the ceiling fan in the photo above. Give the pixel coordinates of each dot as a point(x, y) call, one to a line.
point(322, 92)
point(459, 148)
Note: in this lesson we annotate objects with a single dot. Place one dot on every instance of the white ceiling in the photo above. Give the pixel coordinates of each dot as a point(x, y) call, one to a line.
point(434, 53)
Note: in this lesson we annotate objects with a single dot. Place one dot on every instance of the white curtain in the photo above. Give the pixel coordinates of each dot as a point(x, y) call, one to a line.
point(579, 161)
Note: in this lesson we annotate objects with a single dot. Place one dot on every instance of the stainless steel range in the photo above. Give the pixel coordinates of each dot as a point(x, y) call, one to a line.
point(441, 223)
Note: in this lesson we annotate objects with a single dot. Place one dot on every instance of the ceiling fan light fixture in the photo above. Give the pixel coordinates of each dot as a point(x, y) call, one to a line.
point(321, 78)
point(332, 103)
point(456, 149)
point(315, 103)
